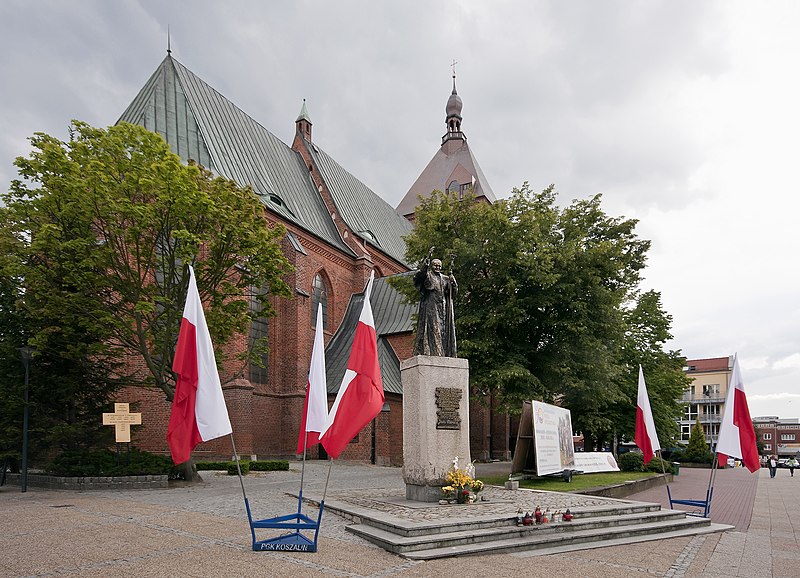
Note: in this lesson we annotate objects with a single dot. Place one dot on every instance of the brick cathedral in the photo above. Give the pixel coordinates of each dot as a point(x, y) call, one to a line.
point(338, 230)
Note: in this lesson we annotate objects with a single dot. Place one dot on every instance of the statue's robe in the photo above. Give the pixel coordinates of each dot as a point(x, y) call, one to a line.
point(436, 331)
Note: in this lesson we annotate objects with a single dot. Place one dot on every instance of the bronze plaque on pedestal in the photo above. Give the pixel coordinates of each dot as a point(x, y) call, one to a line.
point(448, 401)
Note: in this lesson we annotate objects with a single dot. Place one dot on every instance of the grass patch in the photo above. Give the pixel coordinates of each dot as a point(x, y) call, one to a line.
point(579, 482)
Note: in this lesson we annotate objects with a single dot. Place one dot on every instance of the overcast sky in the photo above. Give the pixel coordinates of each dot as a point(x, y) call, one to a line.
point(684, 114)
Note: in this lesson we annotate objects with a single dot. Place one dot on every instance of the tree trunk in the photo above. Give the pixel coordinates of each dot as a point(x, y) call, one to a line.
point(189, 471)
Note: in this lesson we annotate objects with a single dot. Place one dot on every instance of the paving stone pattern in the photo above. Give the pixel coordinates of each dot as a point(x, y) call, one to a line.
point(201, 531)
point(497, 501)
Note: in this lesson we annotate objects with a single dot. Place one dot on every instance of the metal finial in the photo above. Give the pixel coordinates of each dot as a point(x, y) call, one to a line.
point(169, 43)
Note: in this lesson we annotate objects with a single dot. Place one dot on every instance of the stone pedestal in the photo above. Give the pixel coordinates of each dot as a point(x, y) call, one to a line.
point(435, 422)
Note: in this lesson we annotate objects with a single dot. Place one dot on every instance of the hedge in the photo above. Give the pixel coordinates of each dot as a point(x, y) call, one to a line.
point(270, 466)
point(85, 462)
point(230, 467)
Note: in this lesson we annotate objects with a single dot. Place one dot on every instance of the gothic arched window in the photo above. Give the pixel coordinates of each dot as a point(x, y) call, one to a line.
point(259, 331)
point(319, 294)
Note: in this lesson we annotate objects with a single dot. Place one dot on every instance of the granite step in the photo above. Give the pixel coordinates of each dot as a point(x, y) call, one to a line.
point(467, 533)
point(623, 540)
point(553, 542)
point(472, 522)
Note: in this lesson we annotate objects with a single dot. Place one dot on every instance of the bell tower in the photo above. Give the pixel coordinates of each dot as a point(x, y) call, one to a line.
point(453, 168)
point(453, 138)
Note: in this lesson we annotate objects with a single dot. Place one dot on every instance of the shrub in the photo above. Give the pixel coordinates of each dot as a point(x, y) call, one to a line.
point(244, 465)
point(270, 466)
point(84, 462)
point(656, 465)
point(631, 462)
point(677, 455)
point(697, 450)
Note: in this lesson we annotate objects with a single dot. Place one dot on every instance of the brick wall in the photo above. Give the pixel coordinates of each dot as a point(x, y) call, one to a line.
point(393, 428)
point(478, 431)
point(402, 344)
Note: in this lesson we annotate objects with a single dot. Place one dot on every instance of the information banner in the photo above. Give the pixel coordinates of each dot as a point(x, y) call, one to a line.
point(593, 462)
point(552, 438)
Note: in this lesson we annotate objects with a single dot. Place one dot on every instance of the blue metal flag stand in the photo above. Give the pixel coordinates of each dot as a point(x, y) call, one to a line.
point(294, 540)
point(703, 506)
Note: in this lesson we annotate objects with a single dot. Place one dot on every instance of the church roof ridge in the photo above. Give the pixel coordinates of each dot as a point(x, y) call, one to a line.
point(364, 211)
point(200, 123)
point(439, 168)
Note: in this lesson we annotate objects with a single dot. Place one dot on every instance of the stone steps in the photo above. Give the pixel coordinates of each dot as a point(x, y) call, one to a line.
point(460, 533)
point(571, 541)
point(593, 528)
point(406, 527)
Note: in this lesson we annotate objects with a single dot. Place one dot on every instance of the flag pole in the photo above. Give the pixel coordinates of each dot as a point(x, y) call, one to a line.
point(666, 480)
point(714, 466)
point(327, 479)
point(302, 474)
point(244, 494)
point(239, 470)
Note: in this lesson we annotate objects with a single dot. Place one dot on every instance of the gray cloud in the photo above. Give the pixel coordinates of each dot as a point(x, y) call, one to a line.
point(681, 113)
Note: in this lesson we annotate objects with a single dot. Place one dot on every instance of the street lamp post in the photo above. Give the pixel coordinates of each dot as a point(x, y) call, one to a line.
point(27, 354)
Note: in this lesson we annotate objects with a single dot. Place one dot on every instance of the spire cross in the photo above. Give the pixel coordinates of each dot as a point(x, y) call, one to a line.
point(453, 65)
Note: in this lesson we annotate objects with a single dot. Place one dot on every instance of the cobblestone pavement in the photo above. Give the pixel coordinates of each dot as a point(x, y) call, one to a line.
point(496, 501)
point(201, 530)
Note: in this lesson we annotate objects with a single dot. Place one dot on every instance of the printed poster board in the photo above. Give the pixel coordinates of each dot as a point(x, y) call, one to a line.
point(593, 462)
point(552, 439)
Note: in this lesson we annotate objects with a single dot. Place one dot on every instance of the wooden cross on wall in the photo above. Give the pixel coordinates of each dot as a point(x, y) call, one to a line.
point(122, 420)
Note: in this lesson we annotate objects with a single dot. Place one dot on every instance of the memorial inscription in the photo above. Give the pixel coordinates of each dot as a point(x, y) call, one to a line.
point(122, 420)
point(448, 401)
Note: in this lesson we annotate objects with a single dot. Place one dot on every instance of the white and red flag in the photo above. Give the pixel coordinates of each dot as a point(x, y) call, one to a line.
point(198, 408)
point(315, 411)
point(737, 437)
point(645, 437)
point(360, 396)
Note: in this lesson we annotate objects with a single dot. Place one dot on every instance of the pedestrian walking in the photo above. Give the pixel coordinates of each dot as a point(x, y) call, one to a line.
point(792, 464)
point(773, 466)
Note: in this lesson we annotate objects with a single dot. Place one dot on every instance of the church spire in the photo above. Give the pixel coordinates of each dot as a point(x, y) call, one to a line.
point(453, 168)
point(453, 118)
point(303, 123)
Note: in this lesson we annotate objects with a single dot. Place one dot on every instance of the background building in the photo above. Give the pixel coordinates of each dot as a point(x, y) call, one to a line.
point(705, 396)
point(779, 436)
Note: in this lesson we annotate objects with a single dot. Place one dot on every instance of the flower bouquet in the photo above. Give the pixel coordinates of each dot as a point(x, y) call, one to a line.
point(459, 483)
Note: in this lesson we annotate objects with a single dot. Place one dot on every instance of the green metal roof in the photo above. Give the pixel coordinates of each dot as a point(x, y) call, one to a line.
point(372, 218)
point(392, 313)
point(201, 124)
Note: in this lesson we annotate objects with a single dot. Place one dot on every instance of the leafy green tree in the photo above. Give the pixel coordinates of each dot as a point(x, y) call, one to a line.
point(11, 373)
point(647, 330)
point(541, 294)
point(70, 377)
point(98, 230)
point(697, 450)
